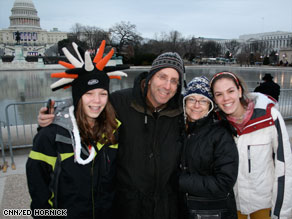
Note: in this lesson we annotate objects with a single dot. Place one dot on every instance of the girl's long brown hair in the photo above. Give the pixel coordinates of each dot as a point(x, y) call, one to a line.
point(103, 129)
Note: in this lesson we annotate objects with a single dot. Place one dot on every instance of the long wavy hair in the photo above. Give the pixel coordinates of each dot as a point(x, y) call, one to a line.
point(103, 129)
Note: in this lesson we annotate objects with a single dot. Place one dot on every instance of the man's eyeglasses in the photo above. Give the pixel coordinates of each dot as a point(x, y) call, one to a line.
point(164, 78)
point(192, 100)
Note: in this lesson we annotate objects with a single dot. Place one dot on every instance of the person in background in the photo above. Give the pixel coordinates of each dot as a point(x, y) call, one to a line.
point(263, 187)
point(149, 141)
point(209, 158)
point(269, 87)
point(72, 163)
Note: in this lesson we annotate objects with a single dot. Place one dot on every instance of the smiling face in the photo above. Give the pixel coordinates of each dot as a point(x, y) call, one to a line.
point(162, 86)
point(197, 107)
point(93, 103)
point(226, 95)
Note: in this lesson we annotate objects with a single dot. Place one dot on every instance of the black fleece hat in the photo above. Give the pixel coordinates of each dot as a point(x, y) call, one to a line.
point(85, 74)
point(87, 81)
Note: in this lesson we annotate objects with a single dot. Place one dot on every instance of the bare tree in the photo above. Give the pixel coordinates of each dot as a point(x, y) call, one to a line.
point(191, 49)
point(94, 35)
point(243, 56)
point(160, 43)
point(233, 47)
point(123, 34)
point(76, 31)
point(211, 49)
point(175, 39)
point(68, 44)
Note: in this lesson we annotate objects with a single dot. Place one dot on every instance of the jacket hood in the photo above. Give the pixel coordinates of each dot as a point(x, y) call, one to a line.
point(66, 119)
point(62, 117)
point(261, 101)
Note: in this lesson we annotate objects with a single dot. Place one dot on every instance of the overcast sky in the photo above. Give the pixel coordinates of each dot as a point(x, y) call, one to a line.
point(224, 19)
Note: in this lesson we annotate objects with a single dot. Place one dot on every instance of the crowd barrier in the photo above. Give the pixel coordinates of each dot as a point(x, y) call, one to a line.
point(4, 165)
point(18, 133)
point(19, 128)
point(285, 103)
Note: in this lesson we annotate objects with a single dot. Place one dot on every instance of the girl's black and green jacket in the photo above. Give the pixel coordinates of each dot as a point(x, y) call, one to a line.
point(56, 180)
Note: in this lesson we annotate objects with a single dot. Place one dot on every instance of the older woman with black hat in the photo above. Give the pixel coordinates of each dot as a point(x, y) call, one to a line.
point(209, 158)
point(71, 165)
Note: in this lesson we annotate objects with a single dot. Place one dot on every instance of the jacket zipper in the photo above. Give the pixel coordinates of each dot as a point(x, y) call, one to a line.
point(106, 161)
point(249, 160)
point(92, 191)
point(155, 153)
point(157, 171)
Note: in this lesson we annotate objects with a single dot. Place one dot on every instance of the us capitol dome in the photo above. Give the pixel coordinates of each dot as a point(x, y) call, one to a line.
point(24, 20)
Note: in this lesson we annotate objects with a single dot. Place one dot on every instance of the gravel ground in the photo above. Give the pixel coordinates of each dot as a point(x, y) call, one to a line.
point(13, 188)
point(15, 194)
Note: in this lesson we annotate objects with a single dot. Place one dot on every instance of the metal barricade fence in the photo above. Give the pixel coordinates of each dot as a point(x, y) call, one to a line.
point(4, 165)
point(285, 103)
point(21, 126)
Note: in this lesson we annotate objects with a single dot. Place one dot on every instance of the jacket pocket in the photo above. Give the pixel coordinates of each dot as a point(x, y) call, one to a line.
point(202, 203)
point(258, 155)
point(211, 208)
point(204, 214)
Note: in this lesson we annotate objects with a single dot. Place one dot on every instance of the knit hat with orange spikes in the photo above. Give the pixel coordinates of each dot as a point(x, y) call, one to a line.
point(85, 75)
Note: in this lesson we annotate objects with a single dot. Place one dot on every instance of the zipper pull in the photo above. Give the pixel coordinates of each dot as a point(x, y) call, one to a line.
point(249, 160)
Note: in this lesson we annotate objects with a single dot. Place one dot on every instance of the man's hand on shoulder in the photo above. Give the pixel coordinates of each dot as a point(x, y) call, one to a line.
point(45, 119)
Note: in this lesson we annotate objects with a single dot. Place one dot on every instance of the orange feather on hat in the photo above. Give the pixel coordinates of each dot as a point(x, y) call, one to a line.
point(66, 64)
point(100, 62)
point(99, 54)
point(63, 75)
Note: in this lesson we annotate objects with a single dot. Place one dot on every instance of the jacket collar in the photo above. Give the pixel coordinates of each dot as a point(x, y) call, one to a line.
point(197, 125)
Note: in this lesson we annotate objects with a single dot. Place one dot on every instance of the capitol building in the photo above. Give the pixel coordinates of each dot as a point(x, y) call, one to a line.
point(24, 21)
point(35, 41)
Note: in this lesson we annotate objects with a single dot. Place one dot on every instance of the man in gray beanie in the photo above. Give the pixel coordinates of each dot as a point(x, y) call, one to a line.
point(149, 141)
point(164, 80)
point(167, 60)
point(149, 146)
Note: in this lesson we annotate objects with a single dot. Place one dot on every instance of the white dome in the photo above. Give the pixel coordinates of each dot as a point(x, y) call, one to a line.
point(24, 15)
point(25, 3)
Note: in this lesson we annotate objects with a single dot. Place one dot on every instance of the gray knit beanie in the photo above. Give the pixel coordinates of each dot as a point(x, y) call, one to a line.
point(167, 60)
